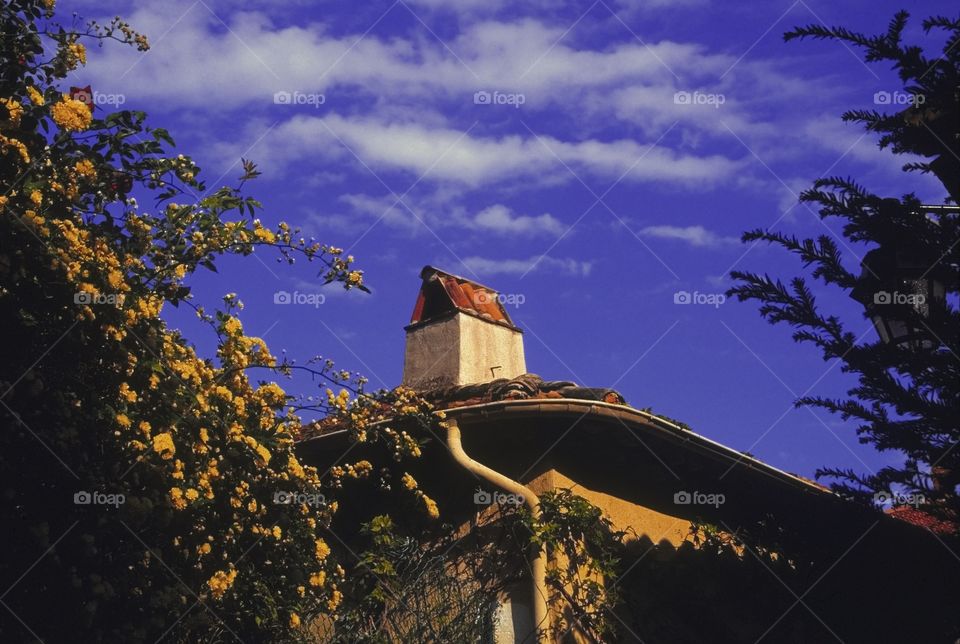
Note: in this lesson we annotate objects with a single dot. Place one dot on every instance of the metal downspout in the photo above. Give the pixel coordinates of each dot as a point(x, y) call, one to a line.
point(538, 563)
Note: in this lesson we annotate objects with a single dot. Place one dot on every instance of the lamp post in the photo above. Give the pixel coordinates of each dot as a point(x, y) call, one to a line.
point(901, 291)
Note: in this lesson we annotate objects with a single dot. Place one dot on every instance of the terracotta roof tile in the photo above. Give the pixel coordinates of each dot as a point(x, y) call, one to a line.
point(522, 387)
point(923, 519)
point(442, 293)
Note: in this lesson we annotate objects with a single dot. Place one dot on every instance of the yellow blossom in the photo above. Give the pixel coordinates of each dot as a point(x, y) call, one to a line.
point(430, 506)
point(71, 114)
point(264, 235)
point(317, 578)
point(163, 445)
point(277, 532)
point(35, 96)
point(176, 497)
point(78, 52)
point(232, 326)
point(294, 620)
point(16, 145)
point(123, 420)
point(408, 481)
point(204, 549)
point(14, 109)
point(85, 168)
point(127, 394)
point(322, 549)
point(294, 467)
point(221, 582)
point(335, 597)
point(192, 494)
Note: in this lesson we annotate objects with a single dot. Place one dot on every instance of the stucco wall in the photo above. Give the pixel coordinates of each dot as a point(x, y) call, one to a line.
point(432, 354)
point(624, 515)
point(461, 350)
point(484, 345)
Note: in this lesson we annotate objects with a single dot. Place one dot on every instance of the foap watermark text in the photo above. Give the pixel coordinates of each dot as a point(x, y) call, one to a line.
point(484, 97)
point(297, 97)
point(482, 497)
point(310, 299)
point(699, 498)
point(290, 497)
point(711, 299)
point(98, 498)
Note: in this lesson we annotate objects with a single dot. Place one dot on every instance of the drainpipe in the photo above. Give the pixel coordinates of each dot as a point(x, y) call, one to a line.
point(538, 563)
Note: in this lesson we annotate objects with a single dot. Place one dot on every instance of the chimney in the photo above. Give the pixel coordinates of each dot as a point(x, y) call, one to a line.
point(459, 334)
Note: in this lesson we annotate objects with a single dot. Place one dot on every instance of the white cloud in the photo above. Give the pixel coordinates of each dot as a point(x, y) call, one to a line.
point(501, 219)
point(437, 211)
point(401, 100)
point(544, 263)
point(246, 64)
point(447, 154)
point(693, 235)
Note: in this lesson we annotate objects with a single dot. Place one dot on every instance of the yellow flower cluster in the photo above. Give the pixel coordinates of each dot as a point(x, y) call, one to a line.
point(77, 53)
point(221, 581)
point(85, 168)
point(232, 326)
point(430, 506)
point(163, 445)
point(35, 96)
point(321, 549)
point(177, 498)
point(338, 401)
point(71, 115)
point(14, 109)
point(263, 234)
point(335, 598)
point(294, 467)
point(127, 394)
point(17, 145)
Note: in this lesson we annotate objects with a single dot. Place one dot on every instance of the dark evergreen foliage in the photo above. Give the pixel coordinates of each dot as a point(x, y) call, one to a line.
point(907, 398)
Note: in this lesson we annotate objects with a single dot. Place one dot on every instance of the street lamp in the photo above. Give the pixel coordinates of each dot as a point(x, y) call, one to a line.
point(895, 289)
point(900, 292)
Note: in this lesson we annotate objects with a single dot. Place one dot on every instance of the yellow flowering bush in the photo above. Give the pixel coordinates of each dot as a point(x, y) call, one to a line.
point(100, 395)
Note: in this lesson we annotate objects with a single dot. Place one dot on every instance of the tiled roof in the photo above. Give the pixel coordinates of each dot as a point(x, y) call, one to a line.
point(527, 386)
point(923, 519)
point(443, 293)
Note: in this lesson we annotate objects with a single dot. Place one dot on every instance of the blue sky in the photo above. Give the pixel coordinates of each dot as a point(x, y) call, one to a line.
point(592, 159)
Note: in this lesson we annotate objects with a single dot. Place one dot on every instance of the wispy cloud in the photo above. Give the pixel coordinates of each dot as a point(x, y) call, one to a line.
point(693, 235)
point(501, 219)
point(564, 265)
point(474, 160)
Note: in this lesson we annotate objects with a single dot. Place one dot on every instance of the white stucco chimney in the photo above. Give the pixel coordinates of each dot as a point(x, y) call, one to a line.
point(459, 334)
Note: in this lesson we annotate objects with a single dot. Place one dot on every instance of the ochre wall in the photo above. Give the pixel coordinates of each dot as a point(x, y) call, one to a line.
point(656, 526)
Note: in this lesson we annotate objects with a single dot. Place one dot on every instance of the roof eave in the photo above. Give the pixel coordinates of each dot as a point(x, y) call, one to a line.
point(625, 414)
